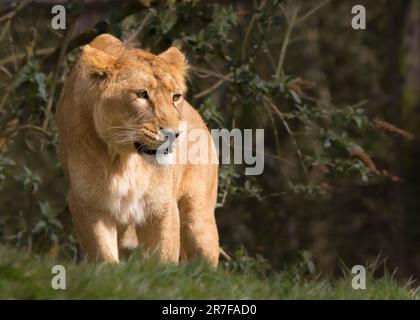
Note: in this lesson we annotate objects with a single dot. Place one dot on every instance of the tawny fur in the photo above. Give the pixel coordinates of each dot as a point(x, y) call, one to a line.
point(114, 191)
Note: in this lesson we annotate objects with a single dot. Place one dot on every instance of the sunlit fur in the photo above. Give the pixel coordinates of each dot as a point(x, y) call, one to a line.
point(117, 195)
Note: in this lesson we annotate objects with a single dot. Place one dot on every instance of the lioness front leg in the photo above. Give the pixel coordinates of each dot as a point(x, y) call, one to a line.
point(97, 234)
point(199, 237)
point(161, 233)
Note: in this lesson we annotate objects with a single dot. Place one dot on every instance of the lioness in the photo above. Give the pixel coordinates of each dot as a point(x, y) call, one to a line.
point(112, 110)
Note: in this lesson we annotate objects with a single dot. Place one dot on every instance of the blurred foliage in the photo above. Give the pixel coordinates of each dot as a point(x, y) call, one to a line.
point(247, 70)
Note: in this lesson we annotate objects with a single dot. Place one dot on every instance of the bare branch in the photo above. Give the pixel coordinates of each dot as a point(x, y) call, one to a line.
point(227, 77)
point(21, 55)
point(289, 131)
point(33, 128)
point(291, 24)
point(140, 28)
point(56, 72)
point(293, 20)
point(209, 90)
point(250, 26)
point(312, 11)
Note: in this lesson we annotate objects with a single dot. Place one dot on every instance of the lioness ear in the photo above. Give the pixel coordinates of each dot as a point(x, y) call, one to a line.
point(175, 57)
point(97, 62)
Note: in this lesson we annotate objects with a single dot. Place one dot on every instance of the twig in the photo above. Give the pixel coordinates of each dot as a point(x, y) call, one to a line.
point(13, 13)
point(34, 128)
point(248, 32)
point(21, 55)
point(224, 254)
point(13, 50)
point(7, 72)
point(225, 193)
point(312, 11)
point(135, 34)
point(9, 16)
point(7, 93)
point(56, 72)
point(227, 77)
point(273, 123)
point(209, 90)
point(266, 47)
point(250, 26)
point(268, 154)
point(289, 131)
point(223, 78)
point(290, 25)
point(5, 30)
point(292, 21)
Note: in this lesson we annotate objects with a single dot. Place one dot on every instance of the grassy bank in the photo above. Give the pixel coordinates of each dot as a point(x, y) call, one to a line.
point(24, 276)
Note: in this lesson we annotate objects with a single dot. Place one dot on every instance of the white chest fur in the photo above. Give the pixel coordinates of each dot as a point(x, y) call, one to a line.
point(129, 193)
point(125, 192)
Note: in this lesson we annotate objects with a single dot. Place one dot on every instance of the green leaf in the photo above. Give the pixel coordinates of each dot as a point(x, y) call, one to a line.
point(296, 97)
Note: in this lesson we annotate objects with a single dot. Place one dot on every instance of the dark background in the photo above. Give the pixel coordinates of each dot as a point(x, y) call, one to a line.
point(340, 185)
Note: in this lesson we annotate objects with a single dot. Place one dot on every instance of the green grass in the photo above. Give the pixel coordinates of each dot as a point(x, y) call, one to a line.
point(24, 276)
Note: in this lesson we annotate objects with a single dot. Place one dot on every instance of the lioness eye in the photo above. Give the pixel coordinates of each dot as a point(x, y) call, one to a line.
point(142, 94)
point(176, 97)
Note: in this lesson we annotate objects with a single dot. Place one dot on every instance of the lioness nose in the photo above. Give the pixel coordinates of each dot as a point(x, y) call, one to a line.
point(169, 134)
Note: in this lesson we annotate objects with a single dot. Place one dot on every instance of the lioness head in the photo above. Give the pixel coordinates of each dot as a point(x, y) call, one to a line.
point(137, 95)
